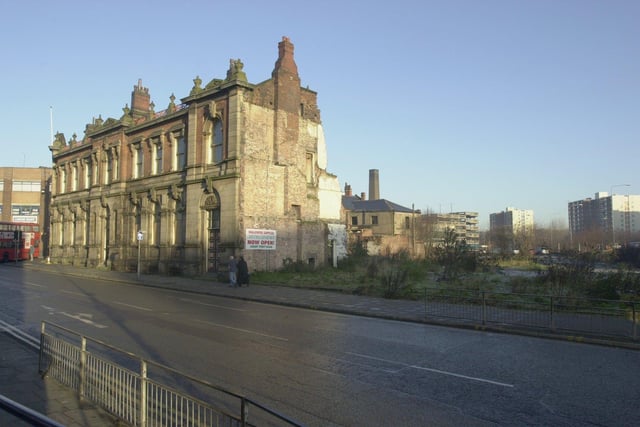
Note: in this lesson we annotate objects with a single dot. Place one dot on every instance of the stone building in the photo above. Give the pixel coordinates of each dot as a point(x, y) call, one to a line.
point(379, 225)
point(231, 156)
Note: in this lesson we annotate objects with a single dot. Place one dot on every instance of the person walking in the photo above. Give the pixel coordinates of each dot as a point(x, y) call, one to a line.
point(233, 270)
point(243, 272)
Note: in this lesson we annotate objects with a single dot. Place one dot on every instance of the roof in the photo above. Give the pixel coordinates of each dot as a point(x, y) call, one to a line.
point(354, 203)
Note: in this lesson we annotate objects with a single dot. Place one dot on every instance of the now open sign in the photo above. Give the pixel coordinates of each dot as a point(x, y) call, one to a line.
point(257, 238)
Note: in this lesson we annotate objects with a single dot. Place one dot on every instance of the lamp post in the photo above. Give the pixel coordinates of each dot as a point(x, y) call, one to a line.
point(139, 237)
point(613, 230)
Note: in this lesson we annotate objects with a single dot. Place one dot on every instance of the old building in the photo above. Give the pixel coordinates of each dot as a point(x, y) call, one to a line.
point(191, 182)
point(379, 225)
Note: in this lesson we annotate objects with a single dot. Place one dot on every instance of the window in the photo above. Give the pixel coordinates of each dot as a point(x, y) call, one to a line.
point(74, 177)
point(109, 171)
point(297, 211)
point(374, 219)
point(354, 220)
point(138, 157)
point(157, 148)
point(1, 185)
point(181, 153)
point(26, 186)
point(216, 142)
point(87, 172)
point(63, 179)
point(94, 170)
point(407, 222)
point(310, 169)
point(214, 219)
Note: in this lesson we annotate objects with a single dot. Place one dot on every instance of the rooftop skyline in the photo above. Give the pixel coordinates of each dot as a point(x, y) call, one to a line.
point(461, 105)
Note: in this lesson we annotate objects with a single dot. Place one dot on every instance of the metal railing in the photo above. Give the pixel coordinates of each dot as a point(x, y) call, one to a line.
point(28, 415)
point(141, 392)
point(598, 317)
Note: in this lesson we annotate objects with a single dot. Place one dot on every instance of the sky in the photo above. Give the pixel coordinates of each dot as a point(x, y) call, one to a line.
point(462, 105)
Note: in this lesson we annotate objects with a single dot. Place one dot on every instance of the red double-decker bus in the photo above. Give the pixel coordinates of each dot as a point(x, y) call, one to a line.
point(19, 241)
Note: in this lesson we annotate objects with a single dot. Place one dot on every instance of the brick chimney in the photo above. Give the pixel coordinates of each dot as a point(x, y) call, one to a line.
point(347, 190)
point(286, 80)
point(374, 184)
point(363, 196)
point(140, 100)
point(285, 60)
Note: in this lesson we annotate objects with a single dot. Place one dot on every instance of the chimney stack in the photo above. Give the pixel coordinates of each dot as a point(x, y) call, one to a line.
point(363, 196)
point(374, 184)
point(347, 190)
point(140, 100)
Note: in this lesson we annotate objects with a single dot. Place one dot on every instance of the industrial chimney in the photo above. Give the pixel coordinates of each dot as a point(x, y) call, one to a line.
point(374, 185)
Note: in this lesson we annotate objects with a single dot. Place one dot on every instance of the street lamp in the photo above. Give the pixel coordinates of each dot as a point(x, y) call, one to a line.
point(613, 230)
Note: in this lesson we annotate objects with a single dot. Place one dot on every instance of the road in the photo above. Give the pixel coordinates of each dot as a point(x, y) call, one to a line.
point(326, 369)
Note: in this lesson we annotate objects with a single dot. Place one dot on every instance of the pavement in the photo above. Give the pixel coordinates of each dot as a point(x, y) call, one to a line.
point(20, 381)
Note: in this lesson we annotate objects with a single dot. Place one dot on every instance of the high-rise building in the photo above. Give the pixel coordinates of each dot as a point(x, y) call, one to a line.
point(605, 219)
point(464, 224)
point(515, 221)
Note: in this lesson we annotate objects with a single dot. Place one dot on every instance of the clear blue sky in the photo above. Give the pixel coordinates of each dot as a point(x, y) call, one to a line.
point(461, 104)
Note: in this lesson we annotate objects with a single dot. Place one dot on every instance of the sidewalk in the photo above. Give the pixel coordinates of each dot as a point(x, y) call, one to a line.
point(20, 382)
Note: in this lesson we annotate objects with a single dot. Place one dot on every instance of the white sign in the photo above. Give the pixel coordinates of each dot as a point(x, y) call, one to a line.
point(24, 218)
point(260, 239)
point(140, 236)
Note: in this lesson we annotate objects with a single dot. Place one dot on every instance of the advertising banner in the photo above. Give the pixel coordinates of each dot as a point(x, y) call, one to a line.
point(260, 239)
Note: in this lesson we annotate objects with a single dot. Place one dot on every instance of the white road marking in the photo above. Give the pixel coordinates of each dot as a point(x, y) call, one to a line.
point(210, 305)
point(84, 318)
point(78, 294)
point(242, 330)
point(35, 284)
point(437, 371)
point(137, 307)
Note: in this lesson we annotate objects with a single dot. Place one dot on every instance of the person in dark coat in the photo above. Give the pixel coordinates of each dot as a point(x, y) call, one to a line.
point(243, 272)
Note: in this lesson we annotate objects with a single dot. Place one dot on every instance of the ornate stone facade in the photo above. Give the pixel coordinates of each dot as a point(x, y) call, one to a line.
point(231, 156)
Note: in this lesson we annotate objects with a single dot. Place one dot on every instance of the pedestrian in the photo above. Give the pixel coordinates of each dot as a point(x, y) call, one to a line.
point(233, 269)
point(243, 272)
point(32, 249)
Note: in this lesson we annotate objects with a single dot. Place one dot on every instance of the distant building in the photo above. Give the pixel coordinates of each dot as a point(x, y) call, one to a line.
point(184, 188)
point(383, 227)
point(25, 197)
point(511, 230)
point(516, 221)
point(464, 224)
point(605, 219)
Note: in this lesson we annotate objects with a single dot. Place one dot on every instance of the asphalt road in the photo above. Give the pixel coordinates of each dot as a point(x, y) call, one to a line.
point(327, 369)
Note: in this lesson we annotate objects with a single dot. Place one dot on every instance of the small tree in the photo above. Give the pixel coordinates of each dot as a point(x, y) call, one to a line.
point(454, 256)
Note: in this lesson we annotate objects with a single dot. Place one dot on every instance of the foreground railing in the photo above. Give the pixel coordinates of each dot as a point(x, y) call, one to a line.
point(28, 415)
point(600, 317)
point(141, 392)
